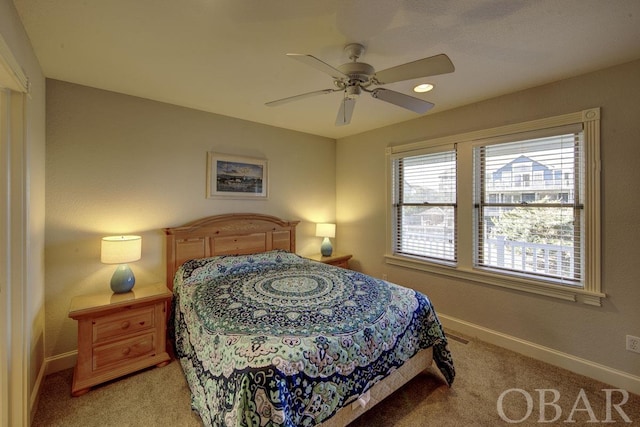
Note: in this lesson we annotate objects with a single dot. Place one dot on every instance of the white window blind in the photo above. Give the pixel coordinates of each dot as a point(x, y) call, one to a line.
point(525, 214)
point(424, 205)
point(529, 209)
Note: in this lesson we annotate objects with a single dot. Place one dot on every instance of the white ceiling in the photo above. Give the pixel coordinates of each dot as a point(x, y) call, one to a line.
point(228, 56)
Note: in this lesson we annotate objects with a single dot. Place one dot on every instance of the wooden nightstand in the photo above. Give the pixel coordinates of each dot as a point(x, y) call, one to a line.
point(337, 259)
point(119, 334)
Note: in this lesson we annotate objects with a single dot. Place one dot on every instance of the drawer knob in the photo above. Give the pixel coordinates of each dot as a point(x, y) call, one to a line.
point(126, 351)
point(125, 324)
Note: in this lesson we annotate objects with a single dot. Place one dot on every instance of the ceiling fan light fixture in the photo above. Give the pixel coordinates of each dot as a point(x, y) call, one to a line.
point(422, 88)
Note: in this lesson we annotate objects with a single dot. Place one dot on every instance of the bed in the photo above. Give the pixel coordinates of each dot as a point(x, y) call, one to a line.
point(266, 337)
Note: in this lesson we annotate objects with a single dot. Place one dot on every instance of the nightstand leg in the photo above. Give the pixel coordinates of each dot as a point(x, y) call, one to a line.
point(162, 364)
point(80, 392)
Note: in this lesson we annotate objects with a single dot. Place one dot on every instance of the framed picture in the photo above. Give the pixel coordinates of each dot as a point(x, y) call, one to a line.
point(236, 176)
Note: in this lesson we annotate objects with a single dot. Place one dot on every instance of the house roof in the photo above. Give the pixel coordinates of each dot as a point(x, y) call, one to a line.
point(535, 165)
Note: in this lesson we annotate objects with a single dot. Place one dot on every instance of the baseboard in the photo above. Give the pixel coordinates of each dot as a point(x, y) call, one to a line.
point(605, 374)
point(35, 393)
point(50, 366)
point(61, 362)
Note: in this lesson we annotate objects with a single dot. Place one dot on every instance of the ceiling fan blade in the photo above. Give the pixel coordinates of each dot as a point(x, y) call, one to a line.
point(345, 112)
point(401, 100)
point(434, 65)
point(298, 97)
point(318, 65)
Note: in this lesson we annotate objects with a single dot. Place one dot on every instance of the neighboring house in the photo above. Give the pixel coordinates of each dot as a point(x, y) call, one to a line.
point(523, 178)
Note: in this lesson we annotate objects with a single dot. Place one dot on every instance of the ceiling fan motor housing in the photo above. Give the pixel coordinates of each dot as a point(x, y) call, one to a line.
point(357, 71)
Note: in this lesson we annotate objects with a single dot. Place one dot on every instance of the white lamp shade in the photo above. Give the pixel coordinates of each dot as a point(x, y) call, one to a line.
point(120, 249)
point(325, 230)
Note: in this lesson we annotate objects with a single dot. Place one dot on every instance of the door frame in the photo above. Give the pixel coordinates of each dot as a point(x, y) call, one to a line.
point(14, 331)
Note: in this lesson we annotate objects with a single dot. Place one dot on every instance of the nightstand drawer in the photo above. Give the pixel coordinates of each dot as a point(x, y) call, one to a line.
point(126, 350)
point(119, 324)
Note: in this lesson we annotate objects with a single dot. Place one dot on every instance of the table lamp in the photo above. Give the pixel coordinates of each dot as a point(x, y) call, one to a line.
point(121, 250)
point(326, 231)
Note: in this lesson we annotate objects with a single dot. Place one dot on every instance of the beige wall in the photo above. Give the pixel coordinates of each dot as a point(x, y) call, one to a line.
point(120, 164)
point(596, 334)
point(33, 188)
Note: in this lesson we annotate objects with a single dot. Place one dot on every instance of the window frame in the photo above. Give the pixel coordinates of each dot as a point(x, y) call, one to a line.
point(398, 203)
point(517, 141)
point(590, 293)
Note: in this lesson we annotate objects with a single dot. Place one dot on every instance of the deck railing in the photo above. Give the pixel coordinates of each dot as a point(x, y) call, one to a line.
point(499, 252)
point(542, 258)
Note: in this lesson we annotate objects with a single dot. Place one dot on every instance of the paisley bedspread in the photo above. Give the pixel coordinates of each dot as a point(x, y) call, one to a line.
point(275, 339)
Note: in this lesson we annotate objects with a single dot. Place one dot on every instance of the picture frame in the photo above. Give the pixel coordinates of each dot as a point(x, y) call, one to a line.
point(236, 177)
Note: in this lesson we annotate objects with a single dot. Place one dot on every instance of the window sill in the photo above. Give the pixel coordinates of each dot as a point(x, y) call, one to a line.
point(510, 282)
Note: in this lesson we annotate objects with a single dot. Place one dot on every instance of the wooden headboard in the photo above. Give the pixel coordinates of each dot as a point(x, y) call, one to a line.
point(229, 234)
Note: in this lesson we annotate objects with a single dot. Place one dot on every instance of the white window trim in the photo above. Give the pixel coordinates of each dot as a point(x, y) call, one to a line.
point(592, 293)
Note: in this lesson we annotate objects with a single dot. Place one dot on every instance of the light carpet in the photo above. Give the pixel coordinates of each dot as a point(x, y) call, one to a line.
point(161, 396)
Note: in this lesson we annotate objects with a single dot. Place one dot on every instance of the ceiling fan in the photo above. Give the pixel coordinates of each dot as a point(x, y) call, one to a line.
point(355, 77)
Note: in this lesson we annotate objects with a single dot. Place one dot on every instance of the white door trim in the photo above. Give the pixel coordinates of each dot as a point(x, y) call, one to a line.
point(14, 331)
point(5, 271)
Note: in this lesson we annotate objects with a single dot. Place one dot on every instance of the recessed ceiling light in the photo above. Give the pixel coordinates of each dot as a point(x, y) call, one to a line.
point(424, 87)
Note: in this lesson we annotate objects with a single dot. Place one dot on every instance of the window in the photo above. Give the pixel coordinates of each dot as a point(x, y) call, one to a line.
point(425, 205)
point(539, 236)
point(515, 206)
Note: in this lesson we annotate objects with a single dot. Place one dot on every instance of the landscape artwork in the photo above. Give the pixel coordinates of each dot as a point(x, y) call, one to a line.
point(236, 176)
